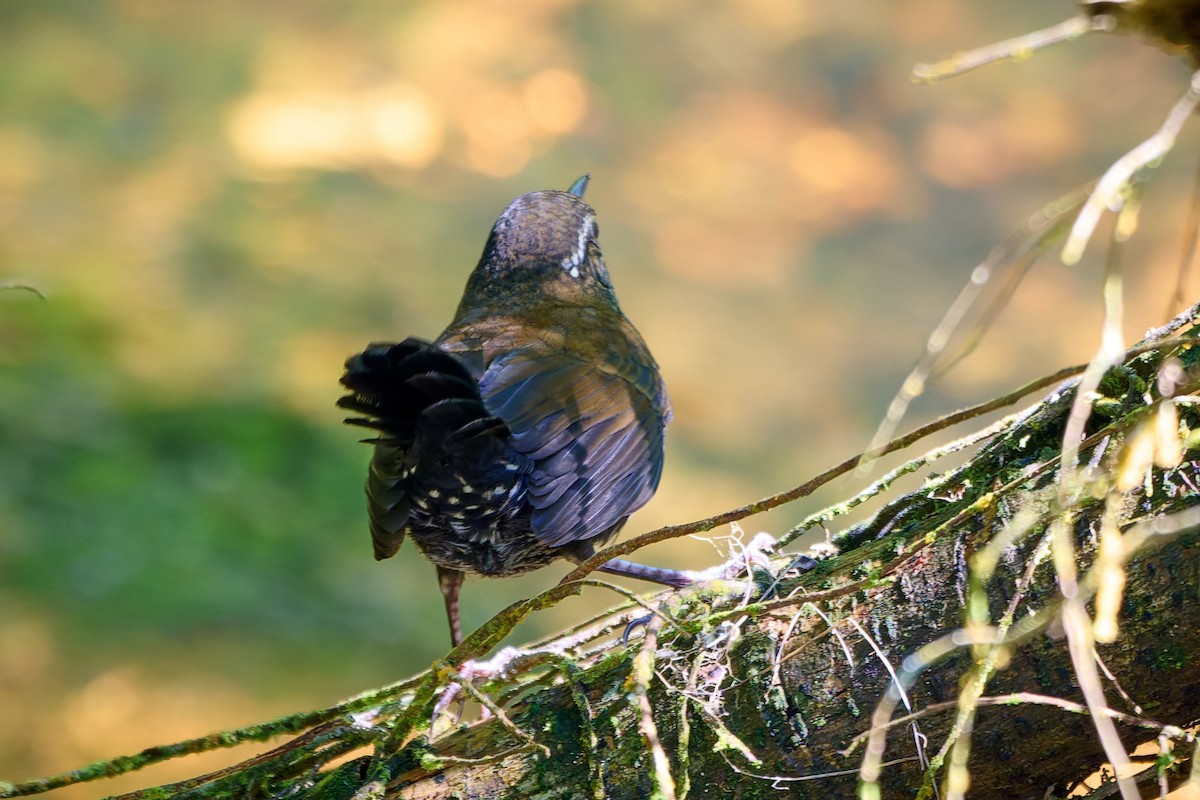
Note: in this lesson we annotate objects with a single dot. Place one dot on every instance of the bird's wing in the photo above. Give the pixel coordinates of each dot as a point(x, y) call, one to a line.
point(595, 439)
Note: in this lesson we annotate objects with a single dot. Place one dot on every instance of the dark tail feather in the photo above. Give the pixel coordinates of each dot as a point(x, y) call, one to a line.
point(393, 385)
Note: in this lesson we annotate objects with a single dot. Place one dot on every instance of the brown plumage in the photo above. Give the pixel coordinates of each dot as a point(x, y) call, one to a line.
point(532, 427)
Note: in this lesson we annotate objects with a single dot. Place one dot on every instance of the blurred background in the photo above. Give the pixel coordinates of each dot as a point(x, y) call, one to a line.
point(221, 201)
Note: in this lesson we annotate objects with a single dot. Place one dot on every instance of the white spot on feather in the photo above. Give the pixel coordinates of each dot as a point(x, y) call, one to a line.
point(571, 263)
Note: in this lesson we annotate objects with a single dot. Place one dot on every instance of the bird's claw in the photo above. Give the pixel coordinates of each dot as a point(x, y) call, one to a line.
point(633, 625)
point(755, 553)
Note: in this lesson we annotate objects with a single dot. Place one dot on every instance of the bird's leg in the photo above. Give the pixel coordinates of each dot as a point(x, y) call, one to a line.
point(756, 552)
point(451, 581)
point(631, 569)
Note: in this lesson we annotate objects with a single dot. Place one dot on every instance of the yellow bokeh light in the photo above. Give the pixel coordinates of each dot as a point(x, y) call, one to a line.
point(835, 164)
point(499, 131)
point(824, 159)
point(302, 370)
point(556, 100)
point(974, 146)
point(396, 125)
point(776, 21)
point(295, 130)
point(498, 158)
point(22, 159)
point(406, 130)
point(742, 254)
point(109, 701)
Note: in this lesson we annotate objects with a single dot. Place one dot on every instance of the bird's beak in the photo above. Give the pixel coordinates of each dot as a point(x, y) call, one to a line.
point(579, 186)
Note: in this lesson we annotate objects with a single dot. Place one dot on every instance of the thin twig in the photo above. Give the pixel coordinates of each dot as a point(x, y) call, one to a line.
point(498, 712)
point(1017, 48)
point(641, 672)
point(1017, 252)
point(1117, 178)
point(1077, 623)
point(1016, 698)
point(18, 286)
point(292, 723)
point(1159, 526)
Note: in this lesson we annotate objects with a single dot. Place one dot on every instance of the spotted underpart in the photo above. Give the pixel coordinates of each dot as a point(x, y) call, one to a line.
point(447, 476)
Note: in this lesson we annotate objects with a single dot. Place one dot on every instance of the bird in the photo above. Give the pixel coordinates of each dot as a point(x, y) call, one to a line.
point(531, 428)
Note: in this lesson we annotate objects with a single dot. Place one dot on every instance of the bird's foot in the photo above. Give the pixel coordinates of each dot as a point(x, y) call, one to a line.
point(755, 553)
point(753, 560)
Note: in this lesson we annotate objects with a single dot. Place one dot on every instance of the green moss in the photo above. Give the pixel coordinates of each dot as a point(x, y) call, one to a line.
point(429, 761)
point(347, 781)
point(1170, 657)
point(800, 725)
point(1108, 407)
point(1189, 355)
point(865, 569)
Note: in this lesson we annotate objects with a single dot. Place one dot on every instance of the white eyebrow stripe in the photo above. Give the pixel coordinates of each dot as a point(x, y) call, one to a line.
point(571, 263)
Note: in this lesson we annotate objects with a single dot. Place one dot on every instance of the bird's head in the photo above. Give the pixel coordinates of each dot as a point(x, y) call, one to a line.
point(543, 246)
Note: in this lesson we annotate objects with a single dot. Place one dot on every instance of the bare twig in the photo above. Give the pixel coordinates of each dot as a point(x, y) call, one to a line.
point(18, 286)
point(642, 671)
point(1019, 47)
point(1014, 255)
point(1119, 175)
point(1015, 698)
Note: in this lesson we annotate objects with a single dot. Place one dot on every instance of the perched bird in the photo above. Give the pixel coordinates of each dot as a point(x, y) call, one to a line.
point(532, 427)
